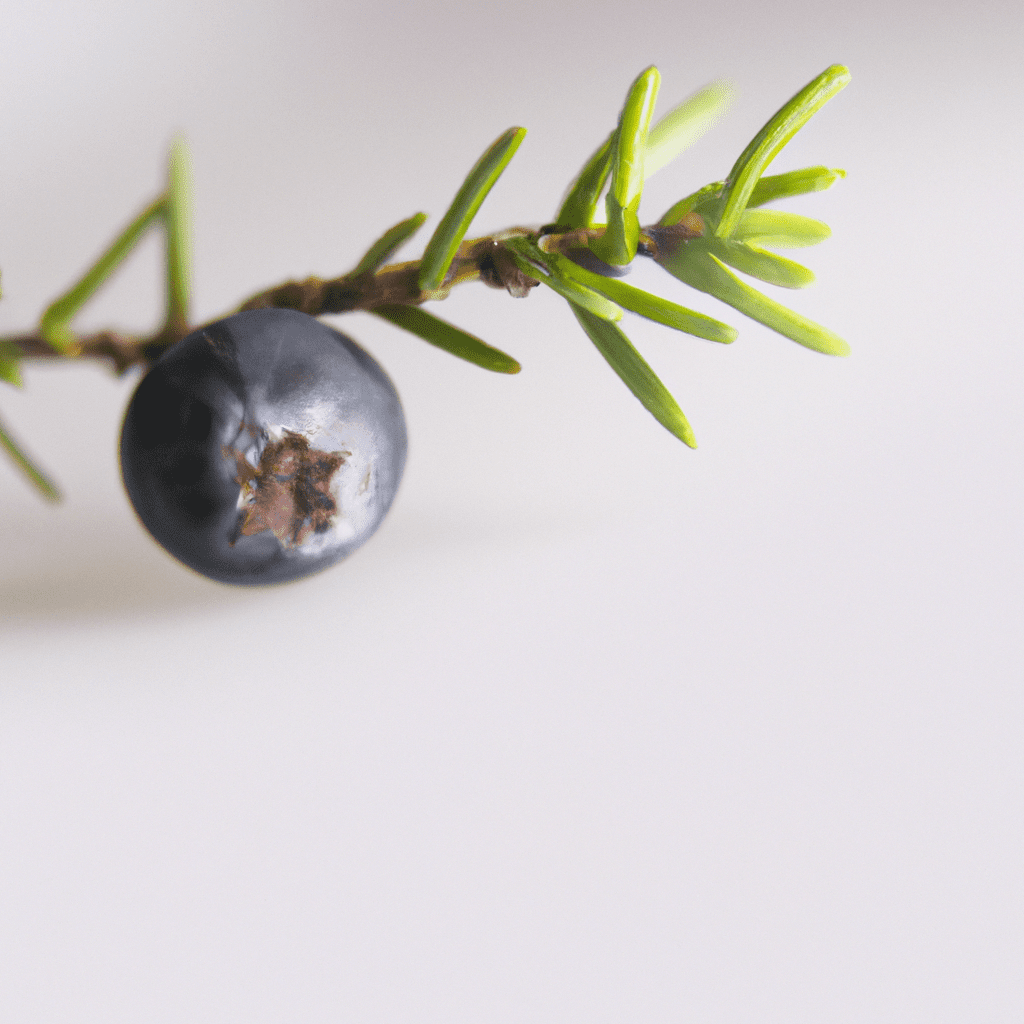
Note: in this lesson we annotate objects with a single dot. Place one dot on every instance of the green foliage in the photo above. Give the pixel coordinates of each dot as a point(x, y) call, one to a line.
point(767, 190)
point(448, 236)
point(793, 183)
point(36, 476)
point(55, 323)
point(766, 145)
point(679, 129)
point(702, 200)
point(719, 229)
point(780, 230)
point(652, 307)
point(388, 244)
point(734, 235)
point(173, 209)
point(697, 240)
point(10, 364)
point(618, 243)
point(703, 270)
point(684, 124)
point(624, 359)
point(580, 203)
point(529, 258)
point(765, 266)
point(448, 337)
point(178, 234)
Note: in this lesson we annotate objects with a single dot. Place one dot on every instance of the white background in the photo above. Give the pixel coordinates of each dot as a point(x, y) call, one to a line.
point(596, 729)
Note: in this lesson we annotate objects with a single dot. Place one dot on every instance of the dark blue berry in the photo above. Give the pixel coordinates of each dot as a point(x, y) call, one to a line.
point(263, 448)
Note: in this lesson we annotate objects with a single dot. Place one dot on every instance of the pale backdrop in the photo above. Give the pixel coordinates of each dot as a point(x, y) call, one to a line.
point(597, 729)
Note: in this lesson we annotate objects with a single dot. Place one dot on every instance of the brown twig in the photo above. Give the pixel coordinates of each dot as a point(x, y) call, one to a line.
point(483, 259)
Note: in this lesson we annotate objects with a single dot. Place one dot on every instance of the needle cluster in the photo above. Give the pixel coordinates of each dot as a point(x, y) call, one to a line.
point(701, 240)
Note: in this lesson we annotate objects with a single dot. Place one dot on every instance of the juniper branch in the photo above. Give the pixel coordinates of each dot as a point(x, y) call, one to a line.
point(483, 259)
